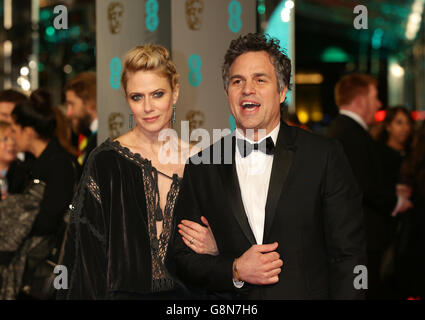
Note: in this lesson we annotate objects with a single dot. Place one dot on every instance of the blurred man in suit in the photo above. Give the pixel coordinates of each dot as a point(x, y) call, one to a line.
point(356, 96)
point(80, 94)
point(285, 210)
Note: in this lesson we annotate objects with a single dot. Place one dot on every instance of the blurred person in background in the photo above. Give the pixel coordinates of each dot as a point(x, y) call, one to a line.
point(63, 124)
point(7, 156)
point(356, 96)
point(394, 144)
point(80, 94)
point(411, 263)
point(33, 128)
point(13, 172)
point(8, 100)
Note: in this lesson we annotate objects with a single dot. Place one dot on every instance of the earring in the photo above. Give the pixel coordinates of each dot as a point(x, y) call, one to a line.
point(173, 118)
point(131, 120)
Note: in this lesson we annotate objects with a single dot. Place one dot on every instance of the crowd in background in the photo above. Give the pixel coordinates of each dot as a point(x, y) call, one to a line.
point(39, 142)
point(40, 165)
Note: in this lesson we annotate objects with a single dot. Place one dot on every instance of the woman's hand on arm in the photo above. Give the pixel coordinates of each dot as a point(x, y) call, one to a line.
point(197, 237)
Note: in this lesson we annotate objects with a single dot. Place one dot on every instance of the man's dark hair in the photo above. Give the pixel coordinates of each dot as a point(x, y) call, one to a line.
point(11, 95)
point(259, 42)
point(84, 86)
point(36, 113)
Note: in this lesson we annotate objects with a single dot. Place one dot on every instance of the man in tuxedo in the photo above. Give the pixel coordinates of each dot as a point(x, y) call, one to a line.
point(356, 96)
point(284, 208)
point(81, 109)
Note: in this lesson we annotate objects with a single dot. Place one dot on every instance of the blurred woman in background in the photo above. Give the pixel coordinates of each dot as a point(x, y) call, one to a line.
point(395, 142)
point(7, 156)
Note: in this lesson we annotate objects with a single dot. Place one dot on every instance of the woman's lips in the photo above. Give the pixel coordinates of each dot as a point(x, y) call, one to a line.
point(151, 119)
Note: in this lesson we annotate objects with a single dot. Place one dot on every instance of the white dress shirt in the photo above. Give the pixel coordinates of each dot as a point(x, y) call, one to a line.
point(94, 125)
point(254, 176)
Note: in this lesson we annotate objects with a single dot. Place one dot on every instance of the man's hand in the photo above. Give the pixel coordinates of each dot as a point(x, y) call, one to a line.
point(259, 265)
point(403, 190)
point(403, 204)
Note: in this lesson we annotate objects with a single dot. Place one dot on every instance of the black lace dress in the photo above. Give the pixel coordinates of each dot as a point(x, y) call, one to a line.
point(113, 251)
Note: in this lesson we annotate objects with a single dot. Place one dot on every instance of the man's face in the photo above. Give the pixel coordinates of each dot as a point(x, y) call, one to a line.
point(253, 96)
point(372, 104)
point(20, 136)
point(6, 109)
point(76, 111)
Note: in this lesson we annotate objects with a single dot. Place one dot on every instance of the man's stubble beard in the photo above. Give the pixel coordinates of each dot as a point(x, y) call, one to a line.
point(82, 126)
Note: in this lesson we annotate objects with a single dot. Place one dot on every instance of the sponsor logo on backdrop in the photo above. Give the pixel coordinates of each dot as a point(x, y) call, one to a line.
point(115, 123)
point(115, 17)
point(194, 11)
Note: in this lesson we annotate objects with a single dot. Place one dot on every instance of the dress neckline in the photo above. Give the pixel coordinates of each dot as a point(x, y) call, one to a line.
point(137, 157)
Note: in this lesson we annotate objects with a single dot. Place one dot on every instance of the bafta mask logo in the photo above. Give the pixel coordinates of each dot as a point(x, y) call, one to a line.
point(116, 123)
point(196, 119)
point(115, 16)
point(194, 10)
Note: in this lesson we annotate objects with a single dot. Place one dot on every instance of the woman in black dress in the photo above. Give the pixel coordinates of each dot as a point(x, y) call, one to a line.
point(122, 216)
point(394, 143)
point(411, 264)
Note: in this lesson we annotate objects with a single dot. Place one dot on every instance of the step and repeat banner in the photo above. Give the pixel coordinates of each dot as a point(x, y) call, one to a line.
point(197, 32)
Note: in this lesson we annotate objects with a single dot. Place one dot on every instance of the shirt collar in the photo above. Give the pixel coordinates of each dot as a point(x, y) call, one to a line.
point(355, 117)
point(94, 126)
point(273, 135)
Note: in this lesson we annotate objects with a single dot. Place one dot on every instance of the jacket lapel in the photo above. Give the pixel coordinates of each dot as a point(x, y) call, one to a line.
point(232, 191)
point(282, 162)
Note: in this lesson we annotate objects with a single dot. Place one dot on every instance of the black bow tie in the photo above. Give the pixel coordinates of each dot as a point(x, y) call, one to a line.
point(245, 147)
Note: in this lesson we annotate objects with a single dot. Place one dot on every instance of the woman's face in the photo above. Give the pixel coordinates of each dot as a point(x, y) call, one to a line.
point(400, 128)
point(151, 100)
point(7, 147)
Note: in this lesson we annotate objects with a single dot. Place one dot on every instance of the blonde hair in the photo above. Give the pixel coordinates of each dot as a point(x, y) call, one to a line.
point(149, 57)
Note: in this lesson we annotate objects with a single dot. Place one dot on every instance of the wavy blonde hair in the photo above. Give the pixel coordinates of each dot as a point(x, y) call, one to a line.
point(149, 57)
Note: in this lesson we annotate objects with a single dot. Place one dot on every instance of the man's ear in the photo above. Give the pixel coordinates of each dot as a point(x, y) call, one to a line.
point(283, 94)
point(29, 132)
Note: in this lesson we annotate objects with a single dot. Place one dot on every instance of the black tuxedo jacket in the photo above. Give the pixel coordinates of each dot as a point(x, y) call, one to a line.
point(313, 211)
point(91, 145)
point(379, 199)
